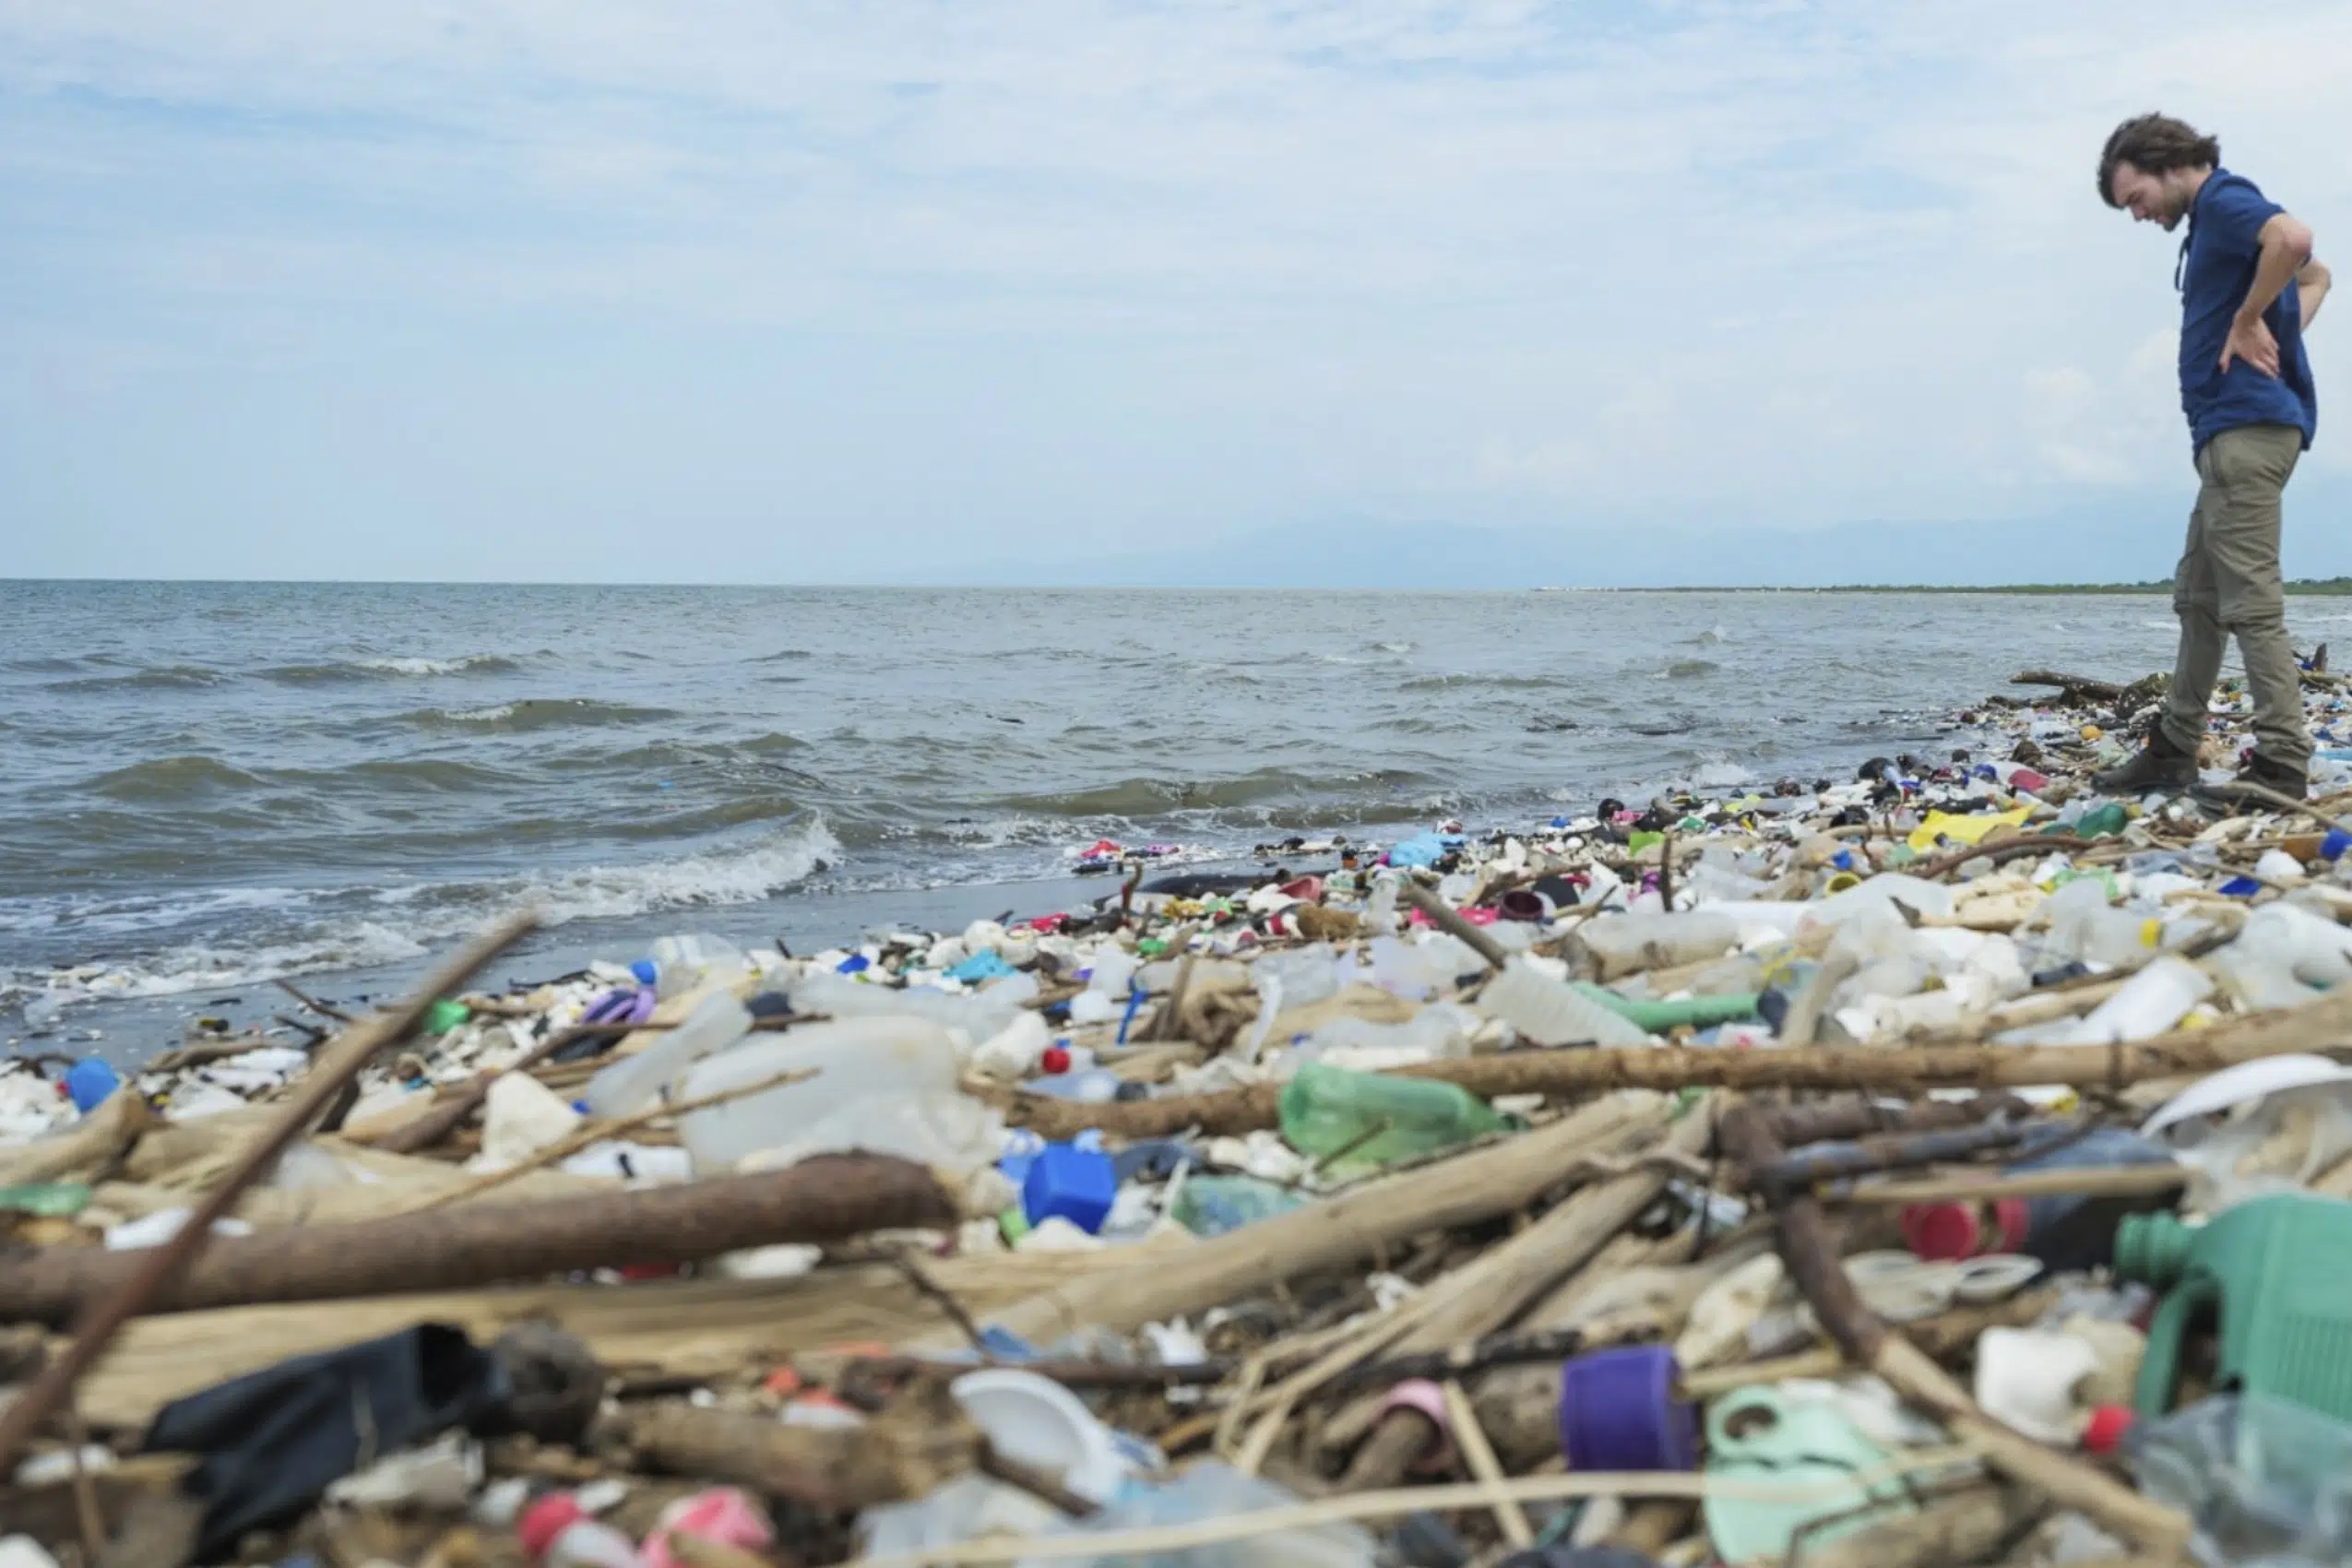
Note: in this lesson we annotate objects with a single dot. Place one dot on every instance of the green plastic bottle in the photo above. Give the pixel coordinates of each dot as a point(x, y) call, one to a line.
point(1353, 1122)
point(2275, 1277)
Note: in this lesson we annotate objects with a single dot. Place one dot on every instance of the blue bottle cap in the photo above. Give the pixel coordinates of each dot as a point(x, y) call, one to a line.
point(646, 971)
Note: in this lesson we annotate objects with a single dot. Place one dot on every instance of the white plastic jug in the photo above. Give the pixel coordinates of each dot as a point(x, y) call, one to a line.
point(1618, 944)
point(850, 1059)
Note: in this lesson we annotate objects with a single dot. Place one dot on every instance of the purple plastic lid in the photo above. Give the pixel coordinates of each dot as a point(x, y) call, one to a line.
point(1618, 1412)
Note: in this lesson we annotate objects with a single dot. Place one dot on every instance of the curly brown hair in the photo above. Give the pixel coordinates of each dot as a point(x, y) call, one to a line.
point(2154, 144)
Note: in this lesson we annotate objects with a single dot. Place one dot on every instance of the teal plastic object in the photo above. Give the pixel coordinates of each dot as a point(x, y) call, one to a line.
point(1759, 1435)
point(2274, 1275)
point(1657, 1017)
point(1347, 1122)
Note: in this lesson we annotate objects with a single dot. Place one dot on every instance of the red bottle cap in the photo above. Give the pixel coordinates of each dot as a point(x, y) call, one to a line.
point(545, 1520)
point(1055, 1060)
point(2103, 1432)
point(1942, 1232)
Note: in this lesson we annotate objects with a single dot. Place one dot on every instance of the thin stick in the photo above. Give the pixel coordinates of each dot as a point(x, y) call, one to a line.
point(316, 1005)
point(2131, 1181)
point(588, 1134)
point(944, 1298)
point(1479, 1453)
point(338, 1065)
point(1449, 920)
point(1113, 1544)
point(87, 1515)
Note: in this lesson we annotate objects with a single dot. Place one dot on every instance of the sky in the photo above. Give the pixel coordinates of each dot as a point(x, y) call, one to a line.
point(612, 290)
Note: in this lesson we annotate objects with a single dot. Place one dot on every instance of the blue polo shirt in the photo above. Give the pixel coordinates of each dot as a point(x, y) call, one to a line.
point(2217, 262)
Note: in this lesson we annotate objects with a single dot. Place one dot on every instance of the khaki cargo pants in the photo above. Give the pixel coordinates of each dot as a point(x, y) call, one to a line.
point(2228, 582)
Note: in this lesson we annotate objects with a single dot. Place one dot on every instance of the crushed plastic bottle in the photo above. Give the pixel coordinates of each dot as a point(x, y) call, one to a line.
point(2268, 1482)
point(1211, 1206)
point(887, 1086)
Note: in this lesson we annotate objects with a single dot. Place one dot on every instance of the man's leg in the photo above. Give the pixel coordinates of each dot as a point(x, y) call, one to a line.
point(2197, 664)
point(2247, 470)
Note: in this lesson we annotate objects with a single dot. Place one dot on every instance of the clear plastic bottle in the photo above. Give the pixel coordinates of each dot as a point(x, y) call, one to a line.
point(682, 963)
point(632, 1083)
point(980, 1014)
point(2268, 1482)
point(1548, 1011)
point(1440, 1029)
point(1618, 944)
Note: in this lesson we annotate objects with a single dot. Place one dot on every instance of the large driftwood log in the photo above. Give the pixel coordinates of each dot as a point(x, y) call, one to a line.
point(2320, 1026)
point(828, 1199)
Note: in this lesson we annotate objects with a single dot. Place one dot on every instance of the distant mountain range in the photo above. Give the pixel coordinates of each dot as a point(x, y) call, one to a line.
point(2137, 544)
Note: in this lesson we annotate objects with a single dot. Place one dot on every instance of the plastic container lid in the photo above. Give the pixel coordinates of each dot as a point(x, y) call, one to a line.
point(1618, 1412)
point(2106, 1428)
point(543, 1521)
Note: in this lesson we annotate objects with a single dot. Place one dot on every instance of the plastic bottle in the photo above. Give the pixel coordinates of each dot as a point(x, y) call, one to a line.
point(2084, 926)
point(632, 1083)
point(2274, 1274)
point(1691, 1012)
point(1439, 1030)
point(1620, 944)
point(682, 963)
point(558, 1533)
point(1361, 1121)
point(851, 1059)
point(1211, 1206)
point(1548, 1011)
point(2066, 1231)
point(2268, 1481)
point(2150, 1002)
point(1929, 899)
point(980, 1014)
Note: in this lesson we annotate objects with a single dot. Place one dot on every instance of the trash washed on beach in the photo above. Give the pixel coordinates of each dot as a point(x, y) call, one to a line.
point(1942, 1164)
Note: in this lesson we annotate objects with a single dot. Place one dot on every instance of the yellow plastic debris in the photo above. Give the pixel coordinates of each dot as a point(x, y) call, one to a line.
point(1962, 829)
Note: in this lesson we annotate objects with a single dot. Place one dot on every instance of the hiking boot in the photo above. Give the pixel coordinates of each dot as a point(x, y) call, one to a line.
point(2276, 777)
point(2160, 766)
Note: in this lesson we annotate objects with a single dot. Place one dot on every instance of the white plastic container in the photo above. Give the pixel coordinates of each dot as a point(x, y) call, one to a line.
point(980, 1014)
point(1932, 900)
point(1548, 1011)
point(632, 1083)
point(850, 1059)
point(682, 963)
point(2150, 1003)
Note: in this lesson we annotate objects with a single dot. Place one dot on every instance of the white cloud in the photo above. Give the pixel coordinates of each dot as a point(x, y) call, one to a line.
point(1789, 264)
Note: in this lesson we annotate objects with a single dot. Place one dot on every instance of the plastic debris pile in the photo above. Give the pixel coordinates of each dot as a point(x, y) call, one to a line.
point(1945, 1165)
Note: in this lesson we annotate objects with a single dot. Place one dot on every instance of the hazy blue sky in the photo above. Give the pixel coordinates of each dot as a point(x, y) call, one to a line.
point(770, 292)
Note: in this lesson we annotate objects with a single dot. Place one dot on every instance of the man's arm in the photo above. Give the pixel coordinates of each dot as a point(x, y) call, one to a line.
point(2285, 247)
point(2312, 285)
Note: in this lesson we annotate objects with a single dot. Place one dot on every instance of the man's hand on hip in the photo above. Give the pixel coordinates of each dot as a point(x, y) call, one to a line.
point(2251, 341)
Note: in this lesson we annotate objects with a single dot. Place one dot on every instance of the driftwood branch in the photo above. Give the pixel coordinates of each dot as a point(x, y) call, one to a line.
point(829, 1198)
point(2320, 1026)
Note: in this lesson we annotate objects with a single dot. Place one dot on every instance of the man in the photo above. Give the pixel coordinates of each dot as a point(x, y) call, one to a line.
point(2249, 288)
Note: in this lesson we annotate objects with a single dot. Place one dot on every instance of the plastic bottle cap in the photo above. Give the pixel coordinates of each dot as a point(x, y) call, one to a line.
point(645, 971)
point(1055, 1060)
point(2107, 1427)
point(543, 1521)
point(1618, 1412)
point(1942, 1232)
